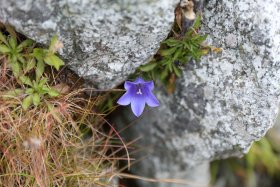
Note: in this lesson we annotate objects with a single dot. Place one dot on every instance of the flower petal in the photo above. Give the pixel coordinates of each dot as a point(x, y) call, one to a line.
point(125, 99)
point(139, 80)
point(150, 85)
point(151, 99)
point(138, 104)
point(128, 85)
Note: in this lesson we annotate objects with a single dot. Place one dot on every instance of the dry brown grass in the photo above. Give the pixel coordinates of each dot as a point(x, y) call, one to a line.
point(61, 142)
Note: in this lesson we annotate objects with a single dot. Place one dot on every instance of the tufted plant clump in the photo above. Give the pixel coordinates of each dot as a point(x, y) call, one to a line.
point(27, 65)
point(175, 52)
point(51, 134)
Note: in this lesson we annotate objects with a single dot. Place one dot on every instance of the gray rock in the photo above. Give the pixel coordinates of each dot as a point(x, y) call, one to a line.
point(223, 103)
point(104, 40)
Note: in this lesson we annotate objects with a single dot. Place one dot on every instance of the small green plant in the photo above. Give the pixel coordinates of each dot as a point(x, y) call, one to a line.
point(48, 56)
point(36, 91)
point(174, 53)
point(14, 52)
point(27, 65)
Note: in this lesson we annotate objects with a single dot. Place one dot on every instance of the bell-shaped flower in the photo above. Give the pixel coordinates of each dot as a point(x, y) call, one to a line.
point(138, 93)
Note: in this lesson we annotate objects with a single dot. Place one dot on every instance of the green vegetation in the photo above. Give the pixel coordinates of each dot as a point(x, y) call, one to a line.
point(28, 65)
point(175, 52)
point(51, 135)
point(259, 168)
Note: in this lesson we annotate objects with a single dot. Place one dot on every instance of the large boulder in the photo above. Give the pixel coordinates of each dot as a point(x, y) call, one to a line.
point(104, 40)
point(221, 104)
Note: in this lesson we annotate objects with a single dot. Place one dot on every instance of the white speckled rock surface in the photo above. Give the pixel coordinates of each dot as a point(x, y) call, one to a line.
point(225, 102)
point(104, 40)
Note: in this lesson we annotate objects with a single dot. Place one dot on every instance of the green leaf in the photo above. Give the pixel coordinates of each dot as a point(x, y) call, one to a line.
point(25, 43)
point(170, 67)
point(39, 53)
point(166, 61)
point(29, 91)
point(13, 58)
point(54, 61)
point(13, 93)
point(197, 22)
point(53, 93)
point(177, 71)
point(53, 43)
point(187, 45)
point(42, 82)
point(189, 34)
point(200, 38)
point(3, 39)
point(45, 89)
point(35, 85)
point(36, 99)
point(13, 42)
point(25, 80)
point(164, 74)
point(16, 68)
point(177, 54)
point(185, 59)
point(40, 68)
point(172, 42)
point(148, 67)
point(27, 102)
point(4, 49)
point(20, 58)
point(168, 52)
point(30, 65)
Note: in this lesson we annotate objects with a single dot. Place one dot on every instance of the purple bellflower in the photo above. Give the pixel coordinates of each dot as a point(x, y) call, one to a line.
point(138, 93)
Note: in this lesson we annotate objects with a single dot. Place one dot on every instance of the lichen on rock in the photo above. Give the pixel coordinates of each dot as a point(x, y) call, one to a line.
point(224, 102)
point(221, 104)
point(104, 41)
